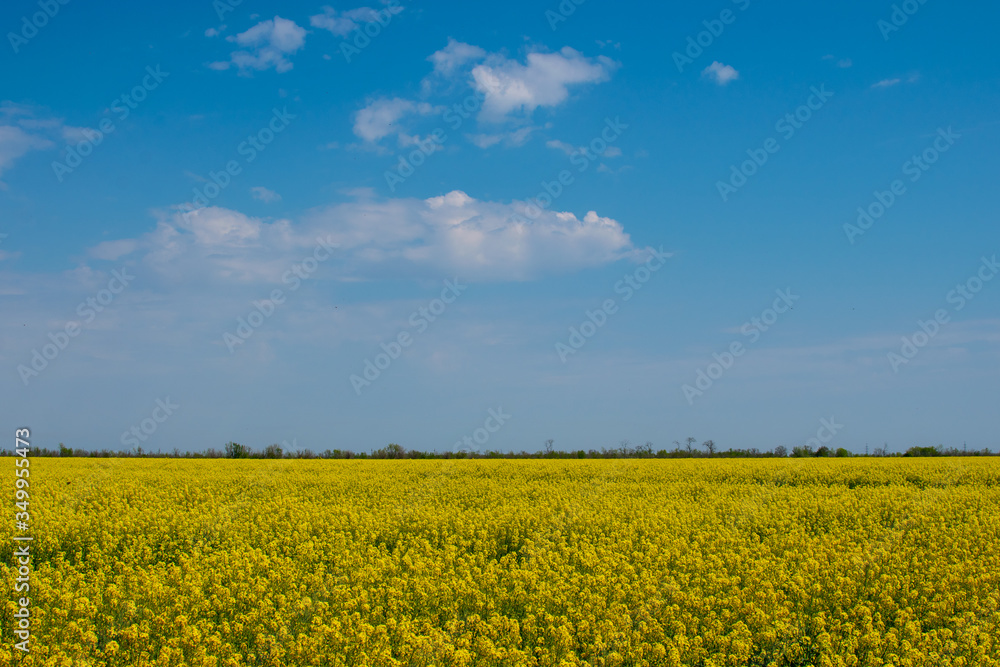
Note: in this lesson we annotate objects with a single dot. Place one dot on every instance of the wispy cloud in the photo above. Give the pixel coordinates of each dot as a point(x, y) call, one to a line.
point(345, 22)
point(887, 83)
point(263, 194)
point(24, 129)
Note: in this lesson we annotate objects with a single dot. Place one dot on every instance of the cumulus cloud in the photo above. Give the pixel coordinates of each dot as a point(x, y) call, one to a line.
point(512, 88)
point(343, 23)
point(721, 74)
point(381, 117)
point(267, 44)
point(454, 55)
point(449, 234)
point(264, 195)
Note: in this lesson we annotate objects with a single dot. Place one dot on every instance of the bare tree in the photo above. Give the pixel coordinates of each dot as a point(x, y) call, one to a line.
point(690, 445)
point(709, 446)
point(548, 445)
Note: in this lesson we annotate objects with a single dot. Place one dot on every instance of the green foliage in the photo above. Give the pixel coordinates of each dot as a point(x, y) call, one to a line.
point(235, 450)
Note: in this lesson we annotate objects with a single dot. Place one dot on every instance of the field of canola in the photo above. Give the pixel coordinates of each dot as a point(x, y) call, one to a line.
point(529, 562)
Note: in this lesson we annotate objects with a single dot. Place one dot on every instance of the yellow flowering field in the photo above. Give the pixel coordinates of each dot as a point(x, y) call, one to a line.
point(520, 562)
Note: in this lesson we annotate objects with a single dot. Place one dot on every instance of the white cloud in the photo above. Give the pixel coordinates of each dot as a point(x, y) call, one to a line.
point(265, 45)
point(454, 55)
point(886, 83)
point(24, 129)
point(343, 23)
point(381, 117)
point(453, 234)
point(721, 74)
point(264, 195)
point(512, 88)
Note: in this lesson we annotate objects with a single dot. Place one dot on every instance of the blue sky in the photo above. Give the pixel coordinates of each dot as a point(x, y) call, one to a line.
point(234, 209)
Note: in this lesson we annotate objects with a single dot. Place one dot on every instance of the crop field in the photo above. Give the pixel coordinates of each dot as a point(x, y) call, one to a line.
point(522, 562)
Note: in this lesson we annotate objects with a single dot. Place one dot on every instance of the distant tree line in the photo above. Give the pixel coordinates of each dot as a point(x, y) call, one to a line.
point(624, 450)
